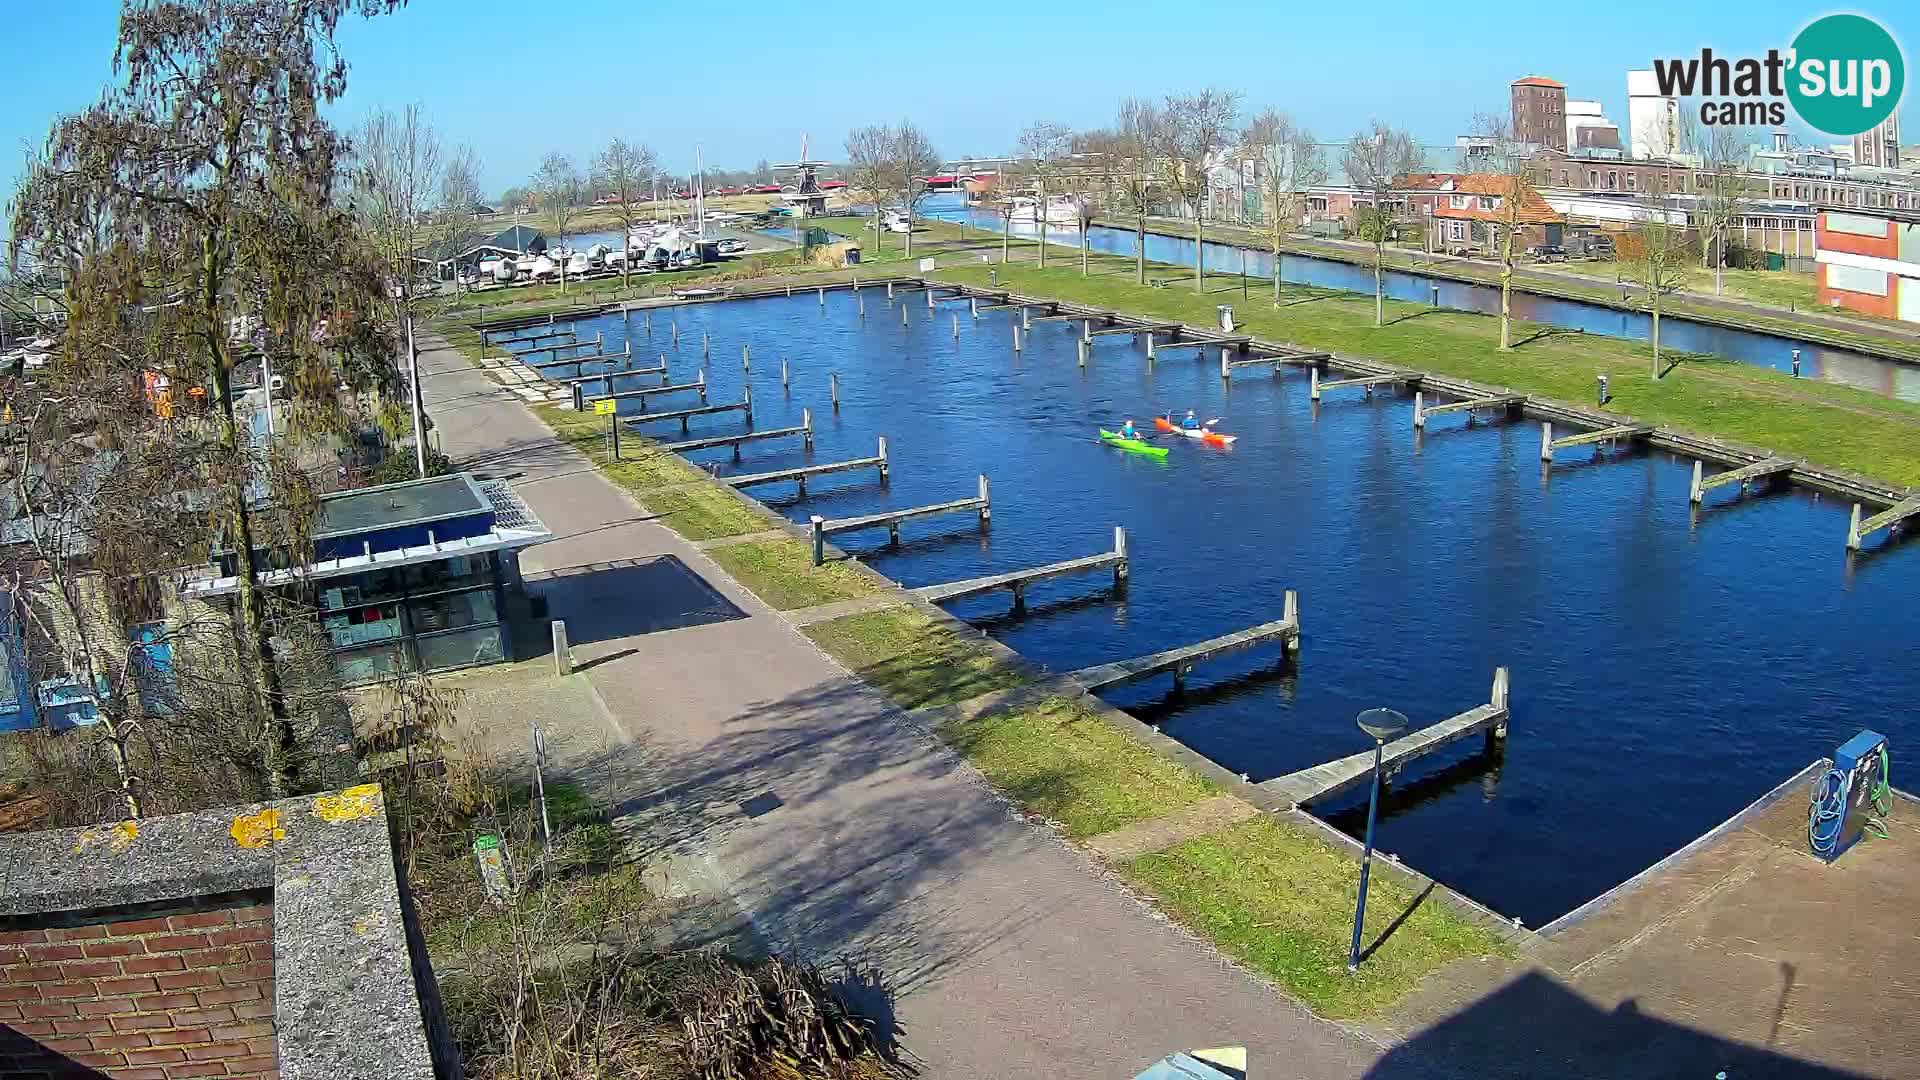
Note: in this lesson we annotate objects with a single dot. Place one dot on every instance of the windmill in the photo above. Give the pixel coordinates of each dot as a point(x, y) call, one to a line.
point(808, 200)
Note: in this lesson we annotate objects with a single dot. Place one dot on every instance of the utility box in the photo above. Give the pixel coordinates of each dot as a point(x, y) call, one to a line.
point(1850, 797)
point(1225, 311)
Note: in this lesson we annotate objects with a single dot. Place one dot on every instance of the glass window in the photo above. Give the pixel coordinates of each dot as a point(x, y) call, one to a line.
point(452, 611)
point(372, 662)
point(454, 573)
point(461, 648)
point(364, 625)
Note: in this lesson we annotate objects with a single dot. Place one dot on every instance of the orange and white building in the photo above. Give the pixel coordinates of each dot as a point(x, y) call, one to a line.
point(1869, 261)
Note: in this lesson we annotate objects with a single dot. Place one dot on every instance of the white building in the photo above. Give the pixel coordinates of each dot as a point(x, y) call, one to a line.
point(1592, 118)
point(1653, 121)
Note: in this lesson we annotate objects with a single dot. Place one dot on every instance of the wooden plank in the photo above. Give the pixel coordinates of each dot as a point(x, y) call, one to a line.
point(804, 471)
point(894, 517)
point(646, 392)
point(657, 369)
point(1859, 530)
point(1756, 470)
point(594, 344)
point(1284, 358)
point(598, 358)
point(1178, 660)
point(1605, 434)
point(736, 440)
point(957, 590)
point(1144, 328)
point(1343, 774)
point(525, 339)
point(1064, 315)
point(1496, 401)
point(1373, 380)
point(682, 414)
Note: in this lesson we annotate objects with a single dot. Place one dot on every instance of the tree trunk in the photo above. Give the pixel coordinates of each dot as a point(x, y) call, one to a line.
point(1653, 300)
point(277, 740)
point(1276, 264)
point(1379, 289)
point(1006, 237)
point(1040, 212)
point(909, 216)
point(1506, 292)
point(1199, 251)
point(1140, 247)
point(1086, 245)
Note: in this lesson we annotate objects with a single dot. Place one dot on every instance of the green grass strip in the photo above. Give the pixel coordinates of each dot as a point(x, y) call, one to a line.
point(1063, 763)
point(1280, 900)
point(912, 659)
point(781, 572)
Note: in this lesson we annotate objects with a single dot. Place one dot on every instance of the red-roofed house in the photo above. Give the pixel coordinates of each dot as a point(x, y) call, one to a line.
point(1473, 209)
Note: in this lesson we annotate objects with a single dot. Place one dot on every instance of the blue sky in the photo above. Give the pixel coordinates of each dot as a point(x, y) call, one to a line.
point(745, 81)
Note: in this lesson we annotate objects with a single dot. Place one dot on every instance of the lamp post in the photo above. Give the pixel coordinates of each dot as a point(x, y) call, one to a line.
point(1381, 724)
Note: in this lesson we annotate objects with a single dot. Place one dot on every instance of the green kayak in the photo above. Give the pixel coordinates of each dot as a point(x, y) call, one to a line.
point(1114, 438)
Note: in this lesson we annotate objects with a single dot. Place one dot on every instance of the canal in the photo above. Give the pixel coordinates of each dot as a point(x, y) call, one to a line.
point(1666, 671)
point(1889, 378)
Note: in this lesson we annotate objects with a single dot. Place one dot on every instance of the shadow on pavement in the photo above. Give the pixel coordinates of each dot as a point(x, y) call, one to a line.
point(586, 597)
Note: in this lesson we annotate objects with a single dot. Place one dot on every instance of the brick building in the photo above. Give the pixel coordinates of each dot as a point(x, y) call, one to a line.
point(1540, 112)
point(1472, 211)
point(1599, 170)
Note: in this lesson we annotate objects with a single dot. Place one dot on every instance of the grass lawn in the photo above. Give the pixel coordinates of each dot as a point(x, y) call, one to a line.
point(912, 659)
point(1833, 425)
point(782, 573)
point(1063, 763)
point(1280, 900)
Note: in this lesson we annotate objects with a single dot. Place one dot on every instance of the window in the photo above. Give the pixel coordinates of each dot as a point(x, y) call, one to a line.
point(364, 625)
point(1563, 178)
point(1663, 181)
point(1630, 181)
point(1613, 180)
point(1457, 231)
point(1488, 202)
point(1593, 178)
point(1458, 202)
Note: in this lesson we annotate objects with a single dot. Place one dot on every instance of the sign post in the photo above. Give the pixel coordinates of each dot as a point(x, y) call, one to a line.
point(605, 407)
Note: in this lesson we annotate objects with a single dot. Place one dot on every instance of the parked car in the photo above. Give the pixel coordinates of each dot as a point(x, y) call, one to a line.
point(1548, 253)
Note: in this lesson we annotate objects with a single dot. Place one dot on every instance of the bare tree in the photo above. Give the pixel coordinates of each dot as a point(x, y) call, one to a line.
point(1721, 185)
point(1045, 151)
point(1288, 161)
point(625, 170)
point(1659, 258)
point(457, 224)
point(199, 193)
point(1508, 161)
point(890, 165)
point(558, 183)
point(1193, 128)
point(395, 181)
point(1135, 149)
point(870, 170)
point(1374, 159)
point(914, 159)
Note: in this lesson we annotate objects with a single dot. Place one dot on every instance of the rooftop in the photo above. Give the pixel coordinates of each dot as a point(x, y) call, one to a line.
point(1540, 80)
point(435, 498)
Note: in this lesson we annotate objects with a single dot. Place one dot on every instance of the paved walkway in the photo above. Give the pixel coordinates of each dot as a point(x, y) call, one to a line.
point(835, 822)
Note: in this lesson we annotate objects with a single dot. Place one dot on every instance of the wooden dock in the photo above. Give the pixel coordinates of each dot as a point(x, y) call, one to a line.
point(599, 358)
point(1237, 341)
point(1276, 360)
point(1018, 580)
point(800, 474)
point(1179, 661)
point(805, 431)
point(1141, 328)
point(698, 386)
point(527, 338)
point(1765, 467)
point(597, 343)
point(1504, 402)
point(981, 504)
point(622, 373)
point(1391, 378)
point(1858, 530)
point(1342, 774)
point(684, 415)
point(1616, 433)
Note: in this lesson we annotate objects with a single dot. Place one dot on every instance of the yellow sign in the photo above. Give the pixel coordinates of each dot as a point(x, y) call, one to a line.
point(603, 408)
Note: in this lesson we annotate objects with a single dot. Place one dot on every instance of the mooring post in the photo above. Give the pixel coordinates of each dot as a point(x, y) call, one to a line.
point(1016, 337)
point(986, 500)
point(1313, 384)
point(886, 469)
point(1694, 493)
point(747, 399)
point(562, 655)
point(903, 314)
point(889, 289)
point(856, 283)
point(1026, 318)
point(973, 306)
point(784, 384)
point(833, 389)
point(649, 322)
point(706, 344)
point(676, 333)
point(956, 328)
point(1290, 611)
point(1853, 530)
point(789, 290)
point(626, 313)
point(579, 398)
point(823, 296)
point(815, 524)
point(1419, 409)
point(1225, 371)
point(929, 298)
point(1498, 699)
point(1546, 440)
point(746, 359)
point(1149, 345)
point(1120, 549)
point(1086, 331)
point(806, 429)
point(893, 532)
point(1080, 347)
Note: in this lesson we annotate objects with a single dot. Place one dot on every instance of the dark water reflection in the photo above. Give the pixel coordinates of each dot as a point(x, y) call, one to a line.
point(1665, 672)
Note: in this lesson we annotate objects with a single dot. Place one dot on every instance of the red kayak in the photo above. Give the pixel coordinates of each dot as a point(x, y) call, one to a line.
point(1211, 438)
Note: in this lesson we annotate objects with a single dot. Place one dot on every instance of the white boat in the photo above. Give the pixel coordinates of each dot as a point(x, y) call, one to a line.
point(1062, 210)
point(896, 221)
point(539, 268)
point(614, 259)
point(597, 255)
point(579, 264)
point(500, 271)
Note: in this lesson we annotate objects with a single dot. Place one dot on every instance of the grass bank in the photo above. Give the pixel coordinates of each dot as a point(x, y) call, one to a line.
point(912, 659)
point(1822, 422)
point(1281, 901)
point(781, 572)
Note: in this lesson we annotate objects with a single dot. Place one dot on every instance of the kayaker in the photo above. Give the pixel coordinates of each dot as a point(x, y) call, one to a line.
point(1192, 422)
point(1128, 431)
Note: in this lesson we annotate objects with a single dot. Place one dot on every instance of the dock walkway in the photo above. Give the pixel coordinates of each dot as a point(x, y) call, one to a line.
point(1178, 661)
point(1018, 580)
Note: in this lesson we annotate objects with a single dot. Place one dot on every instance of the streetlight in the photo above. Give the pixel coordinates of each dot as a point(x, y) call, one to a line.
point(1381, 724)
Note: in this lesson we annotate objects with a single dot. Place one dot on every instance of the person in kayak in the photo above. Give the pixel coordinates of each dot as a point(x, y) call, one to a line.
point(1128, 431)
point(1192, 422)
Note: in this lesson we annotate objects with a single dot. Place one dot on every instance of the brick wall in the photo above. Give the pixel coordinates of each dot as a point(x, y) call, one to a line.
point(155, 998)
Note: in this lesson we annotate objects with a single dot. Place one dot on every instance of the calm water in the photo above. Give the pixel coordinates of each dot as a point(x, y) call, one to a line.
point(1891, 378)
point(1665, 672)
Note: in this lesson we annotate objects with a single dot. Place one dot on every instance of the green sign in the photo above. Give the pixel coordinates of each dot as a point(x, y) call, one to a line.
point(1848, 74)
